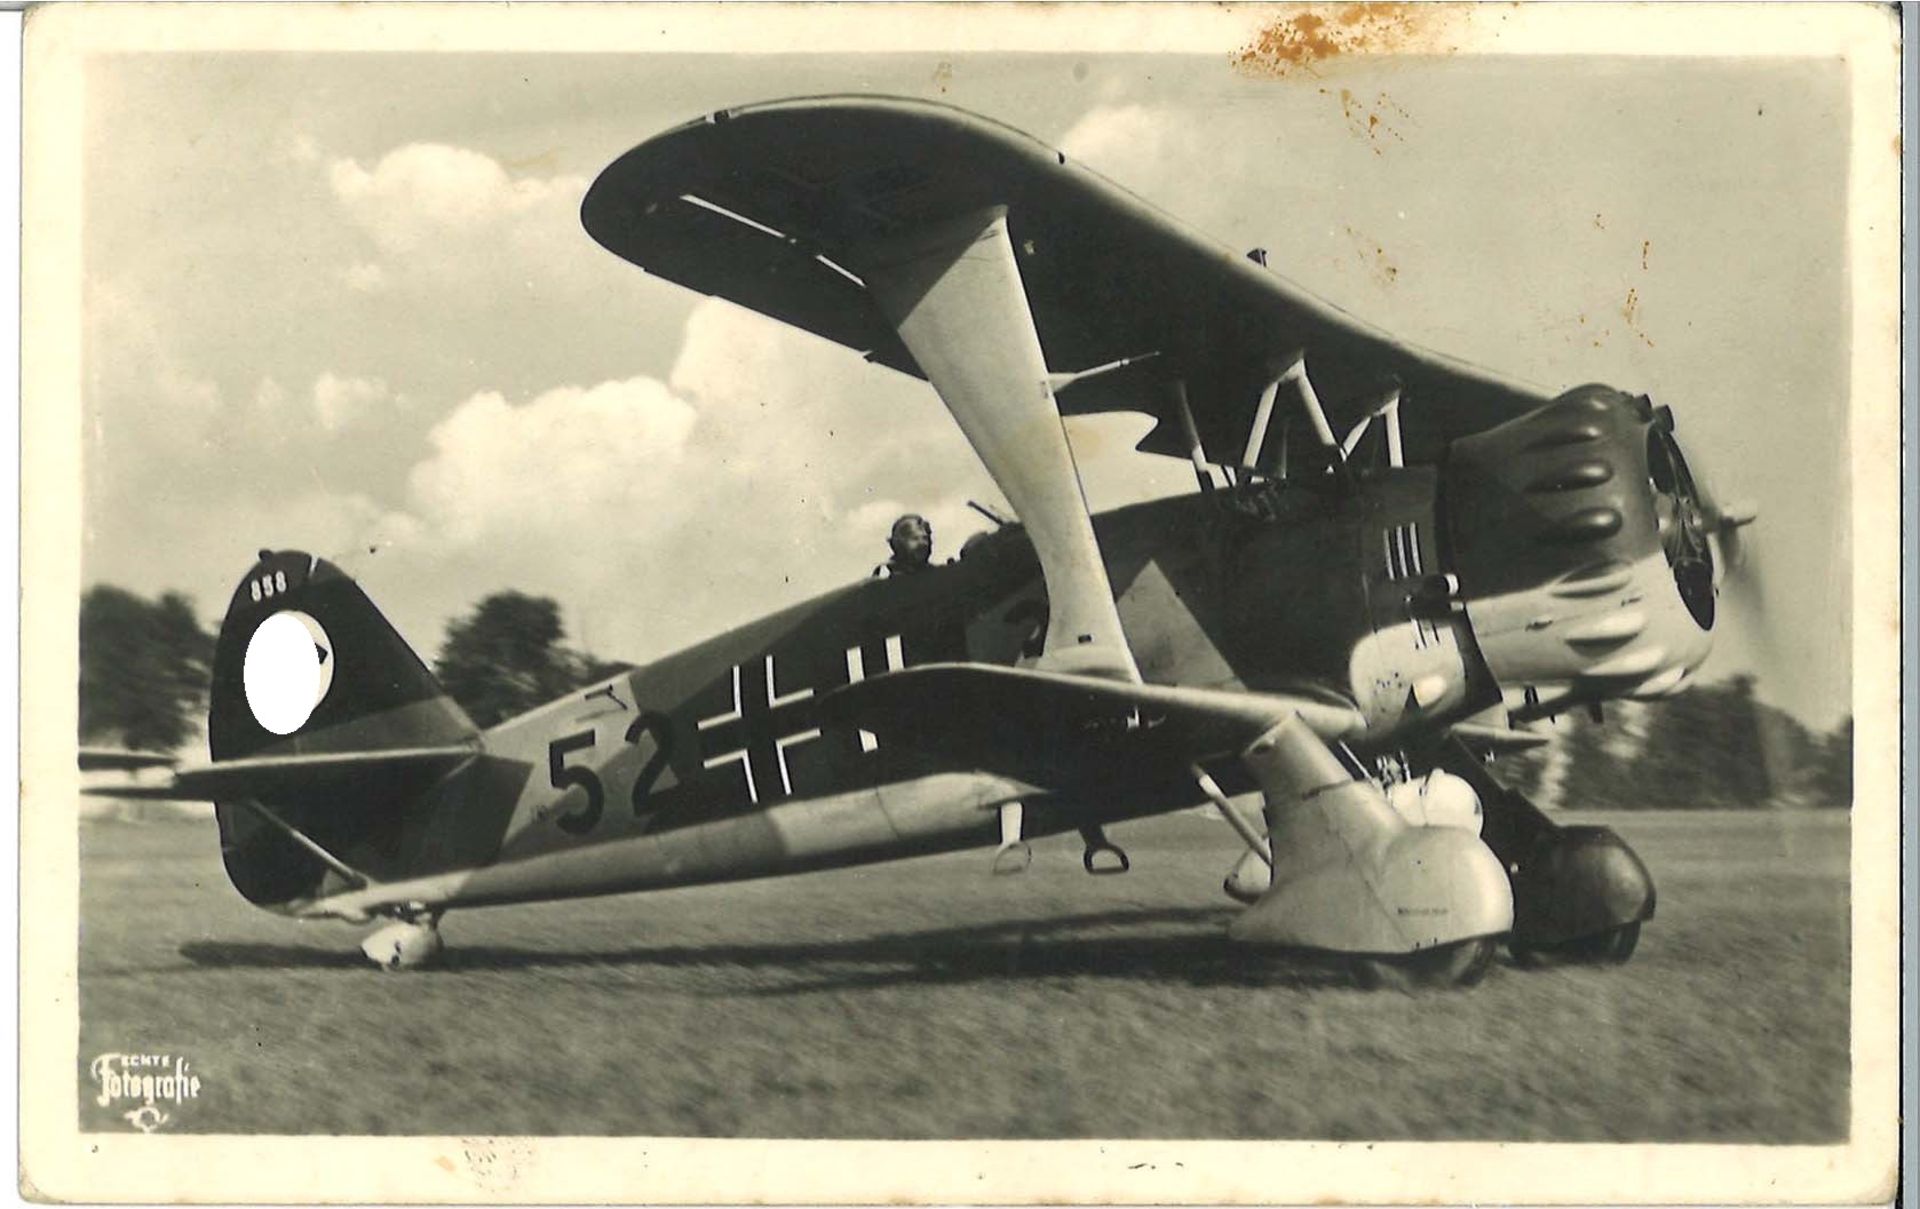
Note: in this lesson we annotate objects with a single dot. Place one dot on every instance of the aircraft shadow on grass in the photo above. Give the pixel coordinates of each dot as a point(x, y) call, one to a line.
point(1196, 952)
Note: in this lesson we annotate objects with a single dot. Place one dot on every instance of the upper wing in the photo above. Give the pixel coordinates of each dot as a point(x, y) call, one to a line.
point(769, 206)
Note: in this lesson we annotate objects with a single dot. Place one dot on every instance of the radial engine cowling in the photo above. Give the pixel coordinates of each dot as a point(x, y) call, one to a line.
point(1579, 540)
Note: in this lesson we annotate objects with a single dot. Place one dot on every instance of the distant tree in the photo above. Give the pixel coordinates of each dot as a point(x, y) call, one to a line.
point(507, 656)
point(1830, 777)
point(144, 669)
point(1715, 746)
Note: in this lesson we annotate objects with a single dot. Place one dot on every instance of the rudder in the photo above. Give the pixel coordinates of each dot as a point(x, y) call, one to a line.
point(368, 690)
point(304, 665)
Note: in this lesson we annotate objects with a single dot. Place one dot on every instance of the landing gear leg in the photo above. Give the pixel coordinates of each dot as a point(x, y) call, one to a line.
point(1102, 856)
point(1579, 893)
point(1013, 855)
point(1414, 906)
point(407, 943)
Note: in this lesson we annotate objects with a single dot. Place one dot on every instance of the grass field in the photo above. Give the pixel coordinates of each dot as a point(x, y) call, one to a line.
point(928, 999)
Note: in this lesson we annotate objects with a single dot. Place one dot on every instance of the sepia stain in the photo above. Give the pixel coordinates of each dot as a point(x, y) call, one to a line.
point(1372, 120)
point(444, 1163)
point(1374, 256)
point(1333, 31)
point(1630, 311)
point(1593, 333)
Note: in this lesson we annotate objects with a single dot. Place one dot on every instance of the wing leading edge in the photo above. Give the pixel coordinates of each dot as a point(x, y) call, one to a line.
point(1033, 723)
point(769, 206)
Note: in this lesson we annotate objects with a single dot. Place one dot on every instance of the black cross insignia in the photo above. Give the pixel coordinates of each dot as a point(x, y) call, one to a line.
point(757, 732)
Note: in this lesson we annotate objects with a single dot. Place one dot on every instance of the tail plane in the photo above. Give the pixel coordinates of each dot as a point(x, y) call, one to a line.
point(323, 725)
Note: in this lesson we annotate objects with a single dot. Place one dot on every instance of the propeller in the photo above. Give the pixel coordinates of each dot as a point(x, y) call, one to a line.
point(1682, 520)
point(1699, 530)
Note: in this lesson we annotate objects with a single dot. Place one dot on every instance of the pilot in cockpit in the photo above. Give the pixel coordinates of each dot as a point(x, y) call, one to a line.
point(911, 541)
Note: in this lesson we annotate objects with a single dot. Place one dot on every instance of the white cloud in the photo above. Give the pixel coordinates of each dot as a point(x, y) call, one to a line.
point(424, 192)
point(570, 462)
point(178, 410)
point(662, 512)
point(463, 275)
point(798, 411)
point(1111, 138)
point(340, 401)
point(328, 524)
point(474, 254)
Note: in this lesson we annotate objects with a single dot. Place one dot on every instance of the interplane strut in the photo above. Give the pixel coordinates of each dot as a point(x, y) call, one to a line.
point(953, 292)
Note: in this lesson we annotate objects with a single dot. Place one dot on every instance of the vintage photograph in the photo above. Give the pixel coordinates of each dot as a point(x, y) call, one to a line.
point(1272, 575)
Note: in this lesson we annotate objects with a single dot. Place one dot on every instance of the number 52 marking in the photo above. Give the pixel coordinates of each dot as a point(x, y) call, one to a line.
point(563, 776)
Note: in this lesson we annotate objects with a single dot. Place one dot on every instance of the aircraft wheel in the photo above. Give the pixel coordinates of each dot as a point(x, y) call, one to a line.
point(1609, 948)
point(1461, 964)
point(404, 945)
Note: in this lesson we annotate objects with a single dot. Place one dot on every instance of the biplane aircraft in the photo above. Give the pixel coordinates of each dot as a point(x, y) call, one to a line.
point(1392, 560)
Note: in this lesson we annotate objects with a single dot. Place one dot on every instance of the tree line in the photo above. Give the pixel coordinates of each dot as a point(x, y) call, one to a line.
point(145, 666)
point(1714, 747)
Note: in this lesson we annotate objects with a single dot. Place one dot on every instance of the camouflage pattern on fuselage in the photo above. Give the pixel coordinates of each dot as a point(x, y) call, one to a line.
point(718, 762)
point(715, 762)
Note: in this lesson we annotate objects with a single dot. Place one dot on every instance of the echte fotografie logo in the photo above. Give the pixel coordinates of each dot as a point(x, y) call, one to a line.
point(149, 1082)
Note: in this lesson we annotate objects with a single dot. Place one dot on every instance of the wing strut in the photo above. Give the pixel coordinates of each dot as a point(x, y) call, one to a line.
point(953, 292)
point(1257, 431)
point(359, 880)
point(1388, 410)
point(1197, 452)
point(1252, 836)
point(1296, 374)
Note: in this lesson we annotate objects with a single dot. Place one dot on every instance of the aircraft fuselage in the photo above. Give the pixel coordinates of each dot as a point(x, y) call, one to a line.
point(1411, 598)
point(716, 763)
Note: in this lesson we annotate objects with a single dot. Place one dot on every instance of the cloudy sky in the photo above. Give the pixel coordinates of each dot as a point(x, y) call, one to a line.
point(343, 302)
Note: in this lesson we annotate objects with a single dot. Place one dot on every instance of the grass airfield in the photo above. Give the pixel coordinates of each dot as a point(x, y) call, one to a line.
point(927, 999)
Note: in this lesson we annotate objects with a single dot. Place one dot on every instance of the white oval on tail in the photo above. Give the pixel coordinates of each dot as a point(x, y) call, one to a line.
point(288, 670)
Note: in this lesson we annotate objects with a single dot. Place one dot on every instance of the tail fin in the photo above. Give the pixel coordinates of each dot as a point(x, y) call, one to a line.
point(352, 684)
point(306, 665)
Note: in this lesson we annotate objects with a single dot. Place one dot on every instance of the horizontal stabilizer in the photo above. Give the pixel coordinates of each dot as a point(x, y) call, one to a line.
point(272, 777)
point(1018, 720)
point(96, 759)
